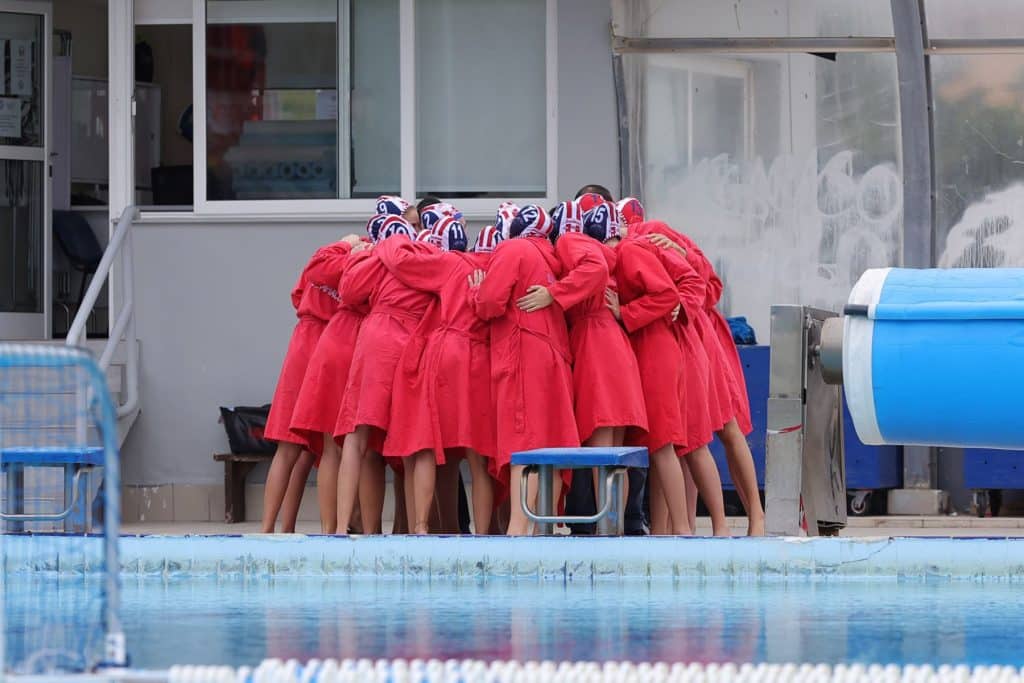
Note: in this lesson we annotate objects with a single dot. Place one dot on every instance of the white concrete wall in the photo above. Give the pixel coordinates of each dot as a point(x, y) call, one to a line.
point(214, 315)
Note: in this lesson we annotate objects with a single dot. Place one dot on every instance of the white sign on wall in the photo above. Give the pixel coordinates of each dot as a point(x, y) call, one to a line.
point(21, 67)
point(10, 117)
point(3, 66)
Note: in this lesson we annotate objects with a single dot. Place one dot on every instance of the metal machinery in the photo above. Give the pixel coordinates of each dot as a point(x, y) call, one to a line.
point(805, 472)
point(926, 358)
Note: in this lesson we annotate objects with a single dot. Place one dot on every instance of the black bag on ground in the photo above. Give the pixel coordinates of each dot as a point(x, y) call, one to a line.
point(244, 426)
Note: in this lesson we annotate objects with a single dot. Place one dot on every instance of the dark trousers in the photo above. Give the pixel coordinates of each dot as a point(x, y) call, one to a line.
point(581, 501)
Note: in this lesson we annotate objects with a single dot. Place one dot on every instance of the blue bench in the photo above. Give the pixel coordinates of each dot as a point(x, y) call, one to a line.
point(611, 464)
point(77, 462)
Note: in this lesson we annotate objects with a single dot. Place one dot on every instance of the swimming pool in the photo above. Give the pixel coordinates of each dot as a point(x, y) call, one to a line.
point(242, 621)
point(237, 600)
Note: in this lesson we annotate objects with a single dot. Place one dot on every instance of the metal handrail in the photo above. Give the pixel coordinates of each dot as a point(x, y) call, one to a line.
point(541, 518)
point(124, 324)
point(57, 517)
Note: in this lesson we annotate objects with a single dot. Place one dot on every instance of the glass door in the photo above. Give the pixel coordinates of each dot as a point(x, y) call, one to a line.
point(25, 240)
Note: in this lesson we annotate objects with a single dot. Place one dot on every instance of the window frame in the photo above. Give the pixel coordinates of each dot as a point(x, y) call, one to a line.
point(712, 66)
point(360, 208)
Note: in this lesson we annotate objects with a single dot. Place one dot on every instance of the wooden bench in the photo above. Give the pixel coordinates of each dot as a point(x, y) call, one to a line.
point(237, 467)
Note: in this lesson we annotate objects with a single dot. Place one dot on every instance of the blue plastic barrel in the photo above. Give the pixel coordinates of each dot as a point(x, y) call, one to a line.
point(936, 357)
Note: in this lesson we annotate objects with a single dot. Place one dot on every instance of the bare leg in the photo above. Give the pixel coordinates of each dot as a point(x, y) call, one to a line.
point(483, 492)
point(518, 523)
point(709, 483)
point(353, 452)
point(602, 436)
point(424, 477)
point(356, 523)
point(556, 491)
point(327, 486)
point(296, 487)
point(277, 482)
point(666, 467)
point(660, 525)
point(691, 494)
point(744, 476)
point(499, 522)
point(409, 489)
point(371, 493)
point(403, 503)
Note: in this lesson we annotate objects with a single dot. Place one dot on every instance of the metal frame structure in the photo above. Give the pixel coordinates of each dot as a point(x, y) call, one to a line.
point(124, 323)
point(126, 14)
point(918, 494)
point(94, 396)
point(610, 515)
point(912, 47)
point(805, 472)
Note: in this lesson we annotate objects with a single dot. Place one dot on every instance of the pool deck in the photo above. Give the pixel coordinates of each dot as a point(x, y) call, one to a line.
point(858, 527)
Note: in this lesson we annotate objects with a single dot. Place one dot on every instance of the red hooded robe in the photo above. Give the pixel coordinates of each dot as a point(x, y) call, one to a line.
point(323, 387)
point(606, 377)
point(442, 396)
point(530, 362)
point(648, 296)
point(395, 311)
point(315, 298)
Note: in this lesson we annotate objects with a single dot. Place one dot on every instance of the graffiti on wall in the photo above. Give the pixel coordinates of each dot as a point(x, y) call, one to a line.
point(990, 234)
point(799, 230)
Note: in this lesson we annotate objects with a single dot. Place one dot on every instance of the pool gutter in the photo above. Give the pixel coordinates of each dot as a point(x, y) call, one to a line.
point(543, 559)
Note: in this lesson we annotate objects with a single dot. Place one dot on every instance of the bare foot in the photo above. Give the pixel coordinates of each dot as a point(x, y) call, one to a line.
point(421, 530)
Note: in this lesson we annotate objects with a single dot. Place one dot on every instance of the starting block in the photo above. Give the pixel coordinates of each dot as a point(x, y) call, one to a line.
point(76, 462)
point(611, 464)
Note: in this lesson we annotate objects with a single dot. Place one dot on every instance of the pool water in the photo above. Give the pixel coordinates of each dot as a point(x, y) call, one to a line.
point(241, 621)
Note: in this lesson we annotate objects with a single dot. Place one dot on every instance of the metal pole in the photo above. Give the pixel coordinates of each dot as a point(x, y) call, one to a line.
point(626, 175)
point(915, 131)
point(713, 45)
point(116, 655)
point(605, 525)
point(918, 495)
point(545, 496)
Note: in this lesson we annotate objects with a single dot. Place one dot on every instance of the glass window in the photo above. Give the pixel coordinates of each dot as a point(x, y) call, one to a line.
point(979, 160)
point(286, 98)
point(784, 168)
point(21, 80)
point(21, 236)
point(759, 19)
point(375, 110)
point(720, 99)
point(22, 217)
point(976, 19)
point(481, 123)
point(164, 125)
